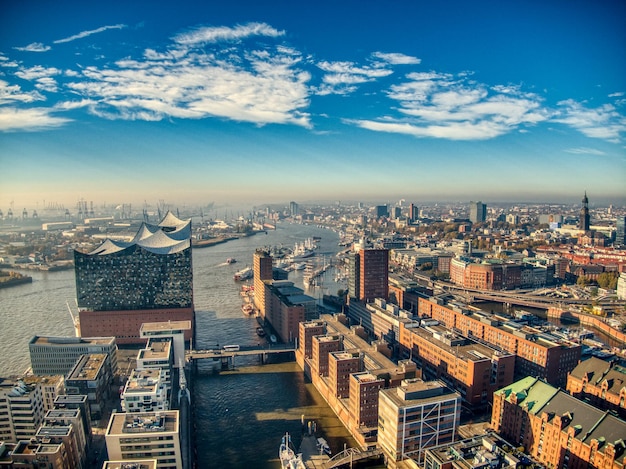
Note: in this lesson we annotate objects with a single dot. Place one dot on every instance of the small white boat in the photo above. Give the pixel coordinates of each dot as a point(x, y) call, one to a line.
point(288, 457)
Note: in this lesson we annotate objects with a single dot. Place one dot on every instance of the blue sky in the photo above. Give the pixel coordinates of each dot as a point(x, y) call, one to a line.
point(254, 102)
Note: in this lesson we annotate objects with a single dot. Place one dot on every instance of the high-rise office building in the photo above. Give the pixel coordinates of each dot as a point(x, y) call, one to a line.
point(478, 212)
point(373, 274)
point(120, 285)
point(620, 231)
point(294, 209)
point(262, 268)
point(584, 219)
point(413, 212)
point(381, 211)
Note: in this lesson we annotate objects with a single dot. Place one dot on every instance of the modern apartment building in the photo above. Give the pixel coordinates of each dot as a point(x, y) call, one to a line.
point(58, 355)
point(51, 387)
point(557, 429)
point(538, 353)
point(92, 377)
point(145, 391)
point(158, 355)
point(177, 331)
point(21, 410)
point(149, 435)
point(32, 454)
point(120, 285)
point(415, 416)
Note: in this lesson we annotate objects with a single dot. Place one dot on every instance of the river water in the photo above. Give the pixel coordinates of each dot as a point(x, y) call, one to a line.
point(241, 415)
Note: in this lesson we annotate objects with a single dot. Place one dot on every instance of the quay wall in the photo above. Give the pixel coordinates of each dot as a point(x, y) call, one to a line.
point(337, 405)
point(587, 320)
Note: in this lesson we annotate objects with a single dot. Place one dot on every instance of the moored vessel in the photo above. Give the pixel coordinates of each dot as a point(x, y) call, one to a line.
point(288, 457)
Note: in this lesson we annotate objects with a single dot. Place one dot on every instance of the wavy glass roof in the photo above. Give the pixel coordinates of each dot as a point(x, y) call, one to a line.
point(170, 236)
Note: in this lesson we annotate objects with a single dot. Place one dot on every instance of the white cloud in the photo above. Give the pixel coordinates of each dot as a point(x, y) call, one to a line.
point(34, 47)
point(224, 33)
point(262, 86)
point(5, 62)
point(11, 94)
point(37, 72)
point(89, 33)
point(603, 122)
point(13, 119)
point(395, 58)
point(616, 95)
point(443, 106)
point(342, 76)
point(585, 151)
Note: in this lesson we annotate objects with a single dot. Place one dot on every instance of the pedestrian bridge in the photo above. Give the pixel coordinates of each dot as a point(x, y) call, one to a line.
point(351, 455)
point(219, 353)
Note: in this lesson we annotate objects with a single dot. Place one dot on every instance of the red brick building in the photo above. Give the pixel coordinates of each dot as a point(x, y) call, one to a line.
point(557, 429)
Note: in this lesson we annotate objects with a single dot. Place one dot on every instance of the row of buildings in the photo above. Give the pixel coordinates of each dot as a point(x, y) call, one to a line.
point(46, 419)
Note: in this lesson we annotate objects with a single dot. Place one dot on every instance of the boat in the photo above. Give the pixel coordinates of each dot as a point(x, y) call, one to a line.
point(231, 260)
point(244, 274)
point(287, 455)
point(260, 331)
point(247, 309)
point(273, 339)
point(322, 445)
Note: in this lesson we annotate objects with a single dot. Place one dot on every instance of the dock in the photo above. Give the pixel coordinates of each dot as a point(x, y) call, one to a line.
point(311, 455)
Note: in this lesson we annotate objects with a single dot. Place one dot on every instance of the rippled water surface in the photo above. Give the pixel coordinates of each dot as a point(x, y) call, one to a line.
point(240, 415)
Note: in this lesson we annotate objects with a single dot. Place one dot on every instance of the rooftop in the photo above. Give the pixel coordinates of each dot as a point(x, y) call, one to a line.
point(141, 423)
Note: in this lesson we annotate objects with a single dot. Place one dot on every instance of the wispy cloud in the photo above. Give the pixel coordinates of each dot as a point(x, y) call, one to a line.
point(603, 122)
point(395, 58)
point(12, 94)
point(5, 62)
point(89, 33)
point(13, 119)
point(260, 86)
point(585, 151)
point(34, 47)
point(452, 107)
point(211, 34)
point(341, 77)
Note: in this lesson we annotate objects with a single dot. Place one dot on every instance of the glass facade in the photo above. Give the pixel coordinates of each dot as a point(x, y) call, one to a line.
point(133, 279)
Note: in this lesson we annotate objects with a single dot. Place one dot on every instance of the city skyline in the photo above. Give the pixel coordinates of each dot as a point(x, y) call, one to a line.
point(248, 104)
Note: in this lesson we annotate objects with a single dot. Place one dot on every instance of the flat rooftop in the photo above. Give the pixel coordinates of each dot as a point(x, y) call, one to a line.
point(157, 349)
point(156, 328)
point(136, 464)
point(88, 367)
point(65, 341)
point(143, 423)
point(143, 381)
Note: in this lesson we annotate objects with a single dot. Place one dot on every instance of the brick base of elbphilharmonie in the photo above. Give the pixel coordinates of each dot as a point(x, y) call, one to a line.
point(125, 325)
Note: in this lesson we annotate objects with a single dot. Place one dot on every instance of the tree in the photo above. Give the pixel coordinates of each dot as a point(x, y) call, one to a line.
point(608, 280)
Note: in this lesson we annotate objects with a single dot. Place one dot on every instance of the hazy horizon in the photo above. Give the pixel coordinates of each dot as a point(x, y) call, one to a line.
point(250, 104)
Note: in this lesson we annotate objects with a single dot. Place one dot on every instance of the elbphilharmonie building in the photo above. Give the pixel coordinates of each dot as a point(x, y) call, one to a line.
point(121, 285)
